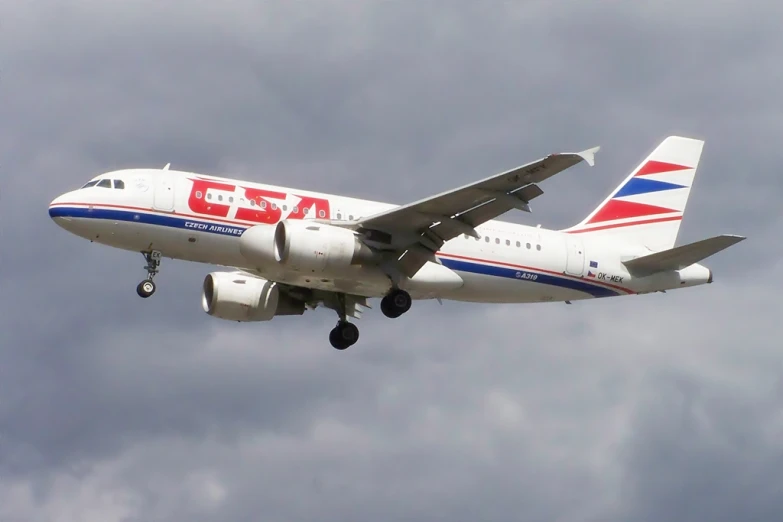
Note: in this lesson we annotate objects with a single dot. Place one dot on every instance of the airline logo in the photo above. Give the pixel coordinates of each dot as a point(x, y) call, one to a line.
point(656, 189)
point(225, 200)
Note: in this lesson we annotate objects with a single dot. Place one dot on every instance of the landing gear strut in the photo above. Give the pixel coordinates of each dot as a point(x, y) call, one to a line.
point(396, 303)
point(147, 287)
point(345, 334)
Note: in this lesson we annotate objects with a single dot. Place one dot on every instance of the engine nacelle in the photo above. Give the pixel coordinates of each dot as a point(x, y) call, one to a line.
point(304, 246)
point(235, 296)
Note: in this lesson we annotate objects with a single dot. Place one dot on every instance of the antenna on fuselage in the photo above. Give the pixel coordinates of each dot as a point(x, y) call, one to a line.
point(167, 166)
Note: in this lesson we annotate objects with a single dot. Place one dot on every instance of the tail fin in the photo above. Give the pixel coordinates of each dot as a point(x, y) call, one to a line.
point(648, 206)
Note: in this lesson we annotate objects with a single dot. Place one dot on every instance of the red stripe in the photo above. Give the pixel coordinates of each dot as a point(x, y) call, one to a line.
point(629, 224)
point(619, 209)
point(512, 265)
point(659, 167)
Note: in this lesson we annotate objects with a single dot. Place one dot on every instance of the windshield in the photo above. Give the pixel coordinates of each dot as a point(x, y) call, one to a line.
point(105, 183)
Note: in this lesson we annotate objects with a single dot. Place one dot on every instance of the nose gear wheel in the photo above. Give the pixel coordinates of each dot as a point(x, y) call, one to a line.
point(147, 287)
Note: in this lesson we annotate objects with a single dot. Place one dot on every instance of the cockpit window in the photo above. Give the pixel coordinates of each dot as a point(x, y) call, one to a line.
point(119, 184)
point(105, 183)
point(90, 183)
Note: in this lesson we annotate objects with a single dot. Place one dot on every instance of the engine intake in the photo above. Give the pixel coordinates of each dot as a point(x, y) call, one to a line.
point(235, 296)
point(304, 246)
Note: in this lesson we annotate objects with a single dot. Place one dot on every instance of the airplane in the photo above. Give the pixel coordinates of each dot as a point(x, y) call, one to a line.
point(288, 250)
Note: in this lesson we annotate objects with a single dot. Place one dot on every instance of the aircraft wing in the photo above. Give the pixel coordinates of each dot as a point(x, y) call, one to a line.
point(417, 230)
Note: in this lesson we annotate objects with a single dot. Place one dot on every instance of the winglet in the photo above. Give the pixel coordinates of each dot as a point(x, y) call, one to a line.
point(589, 155)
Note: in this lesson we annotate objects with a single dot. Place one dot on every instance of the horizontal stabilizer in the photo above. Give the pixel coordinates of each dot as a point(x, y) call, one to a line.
point(680, 257)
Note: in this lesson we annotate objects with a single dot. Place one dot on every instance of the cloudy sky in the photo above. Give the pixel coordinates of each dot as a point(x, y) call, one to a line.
point(660, 407)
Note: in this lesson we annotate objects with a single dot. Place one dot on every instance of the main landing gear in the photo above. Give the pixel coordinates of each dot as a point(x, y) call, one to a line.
point(147, 287)
point(396, 303)
point(345, 334)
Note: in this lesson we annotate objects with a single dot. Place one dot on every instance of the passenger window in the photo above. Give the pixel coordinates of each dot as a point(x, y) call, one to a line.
point(497, 240)
point(209, 196)
point(538, 247)
point(220, 197)
point(296, 210)
point(486, 238)
point(518, 244)
point(119, 184)
point(339, 216)
point(231, 199)
point(528, 246)
point(508, 243)
point(106, 183)
point(322, 214)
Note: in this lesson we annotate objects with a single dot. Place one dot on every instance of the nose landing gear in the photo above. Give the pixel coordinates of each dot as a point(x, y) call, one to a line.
point(147, 287)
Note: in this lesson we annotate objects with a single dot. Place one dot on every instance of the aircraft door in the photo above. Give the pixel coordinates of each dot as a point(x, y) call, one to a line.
point(575, 257)
point(164, 192)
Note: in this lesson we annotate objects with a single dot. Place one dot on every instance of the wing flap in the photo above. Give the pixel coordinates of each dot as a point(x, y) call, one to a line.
point(413, 259)
point(680, 257)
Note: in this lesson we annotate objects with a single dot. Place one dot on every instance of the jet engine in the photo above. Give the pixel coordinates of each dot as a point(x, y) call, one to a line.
point(304, 246)
point(235, 296)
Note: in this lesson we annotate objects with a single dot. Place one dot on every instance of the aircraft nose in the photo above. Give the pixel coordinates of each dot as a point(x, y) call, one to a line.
point(60, 208)
point(53, 207)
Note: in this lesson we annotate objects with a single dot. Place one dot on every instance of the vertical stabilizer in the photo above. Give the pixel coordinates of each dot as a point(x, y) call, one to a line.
point(647, 207)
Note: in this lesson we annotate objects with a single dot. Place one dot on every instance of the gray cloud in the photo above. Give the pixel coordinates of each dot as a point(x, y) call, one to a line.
point(643, 408)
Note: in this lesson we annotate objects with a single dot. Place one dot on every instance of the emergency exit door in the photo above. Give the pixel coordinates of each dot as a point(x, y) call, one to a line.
point(164, 191)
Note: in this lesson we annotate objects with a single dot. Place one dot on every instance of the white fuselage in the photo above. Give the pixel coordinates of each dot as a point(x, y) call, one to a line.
point(200, 218)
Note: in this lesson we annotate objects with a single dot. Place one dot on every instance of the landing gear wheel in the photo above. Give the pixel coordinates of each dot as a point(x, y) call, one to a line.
point(146, 288)
point(396, 303)
point(343, 335)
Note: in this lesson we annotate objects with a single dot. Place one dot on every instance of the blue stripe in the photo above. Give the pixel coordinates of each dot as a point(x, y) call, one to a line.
point(147, 219)
point(644, 186)
point(229, 230)
point(515, 273)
